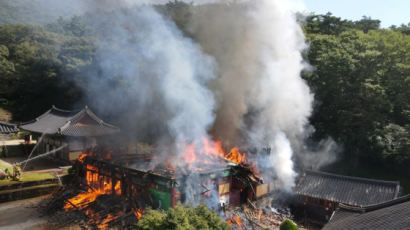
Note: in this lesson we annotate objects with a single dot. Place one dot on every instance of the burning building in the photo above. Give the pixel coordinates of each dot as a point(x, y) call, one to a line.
point(169, 89)
point(210, 176)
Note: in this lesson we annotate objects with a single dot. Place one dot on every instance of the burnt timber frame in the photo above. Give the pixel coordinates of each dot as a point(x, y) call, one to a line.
point(136, 183)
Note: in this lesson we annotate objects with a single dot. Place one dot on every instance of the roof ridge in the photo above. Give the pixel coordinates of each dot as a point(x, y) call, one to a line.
point(362, 179)
point(100, 121)
point(77, 116)
point(64, 127)
point(53, 107)
point(373, 207)
point(92, 115)
point(7, 123)
point(61, 122)
point(42, 115)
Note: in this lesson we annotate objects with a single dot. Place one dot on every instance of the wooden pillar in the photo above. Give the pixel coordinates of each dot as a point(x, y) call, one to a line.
point(173, 199)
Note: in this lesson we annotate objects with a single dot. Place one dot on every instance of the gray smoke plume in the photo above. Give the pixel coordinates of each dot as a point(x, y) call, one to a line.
point(239, 82)
point(165, 85)
point(261, 96)
point(153, 75)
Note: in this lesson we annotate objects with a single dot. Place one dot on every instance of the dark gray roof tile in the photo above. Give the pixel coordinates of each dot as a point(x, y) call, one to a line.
point(70, 123)
point(344, 189)
point(6, 128)
point(394, 214)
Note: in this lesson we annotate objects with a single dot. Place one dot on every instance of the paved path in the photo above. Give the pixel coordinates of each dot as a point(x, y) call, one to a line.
point(23, 214)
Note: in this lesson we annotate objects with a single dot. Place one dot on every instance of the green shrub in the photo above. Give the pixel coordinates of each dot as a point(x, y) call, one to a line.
point(182, 218)
point(288, 225)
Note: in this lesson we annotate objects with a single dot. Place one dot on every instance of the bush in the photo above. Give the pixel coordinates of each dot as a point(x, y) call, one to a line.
point(182, 218)
point(288, 225)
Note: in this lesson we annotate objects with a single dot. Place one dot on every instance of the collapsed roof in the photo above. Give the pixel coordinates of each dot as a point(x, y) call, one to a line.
point(353, 191)
point(69, 123)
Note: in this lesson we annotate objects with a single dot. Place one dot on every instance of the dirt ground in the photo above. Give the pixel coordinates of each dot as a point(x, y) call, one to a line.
point(23, 214)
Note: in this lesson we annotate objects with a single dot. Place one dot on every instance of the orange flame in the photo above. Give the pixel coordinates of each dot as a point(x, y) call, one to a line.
point(235, 220)
point(208, 151)
point(81, 158)
point(97, 185)
point(110, 217)
point(138, 213)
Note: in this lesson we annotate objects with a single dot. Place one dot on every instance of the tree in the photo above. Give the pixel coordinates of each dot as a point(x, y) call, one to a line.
point(37, 67)
point(362, 90)
point(326, 24)
point(182, 218)
point(367, 23)
point(405, 29)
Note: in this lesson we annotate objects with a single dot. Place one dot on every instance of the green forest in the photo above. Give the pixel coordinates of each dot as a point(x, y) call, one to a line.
point(360, 77)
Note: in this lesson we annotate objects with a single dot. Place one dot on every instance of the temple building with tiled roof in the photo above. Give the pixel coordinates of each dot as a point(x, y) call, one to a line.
point(77, 130)
point(394, 214)
point(319, 193)
point(83, 123)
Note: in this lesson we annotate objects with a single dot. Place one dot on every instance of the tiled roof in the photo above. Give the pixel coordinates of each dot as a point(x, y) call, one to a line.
point(6, 128)
point(70, 123)
point(394, 214)
point(353, 191)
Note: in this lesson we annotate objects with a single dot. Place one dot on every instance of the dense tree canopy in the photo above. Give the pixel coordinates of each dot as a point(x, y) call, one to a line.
point(36, 65)
point(361, 81)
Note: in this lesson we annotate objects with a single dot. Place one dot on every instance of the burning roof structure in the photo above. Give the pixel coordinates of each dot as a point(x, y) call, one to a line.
point(209, 177)
point(169, 183)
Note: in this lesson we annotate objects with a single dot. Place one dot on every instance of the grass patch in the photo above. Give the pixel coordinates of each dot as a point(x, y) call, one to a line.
point(25, 176)
point(36, 176)
point(29, 177)
point(4, 165)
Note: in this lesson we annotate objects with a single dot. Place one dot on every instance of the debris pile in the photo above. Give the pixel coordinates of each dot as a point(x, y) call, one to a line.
point(65, 208)
point(106, 193)
point(258, 216)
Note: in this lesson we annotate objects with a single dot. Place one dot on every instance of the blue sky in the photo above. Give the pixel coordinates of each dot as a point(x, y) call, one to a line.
point(390, 12)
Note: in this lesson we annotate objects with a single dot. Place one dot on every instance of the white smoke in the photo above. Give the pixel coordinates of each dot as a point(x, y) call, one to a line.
point(149, 70)
point(170, 83)
point(282, 96)
point(240, 80)
point(262, 99)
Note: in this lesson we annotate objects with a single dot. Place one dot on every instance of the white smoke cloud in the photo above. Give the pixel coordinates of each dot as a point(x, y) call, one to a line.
point(149, 70)
point(281, 160)
point(262, 99)
point(282, 96)
point(239, 81)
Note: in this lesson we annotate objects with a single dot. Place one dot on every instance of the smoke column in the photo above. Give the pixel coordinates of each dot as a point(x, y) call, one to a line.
point(262, 99)
point(239, 82)
point(149, 75)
